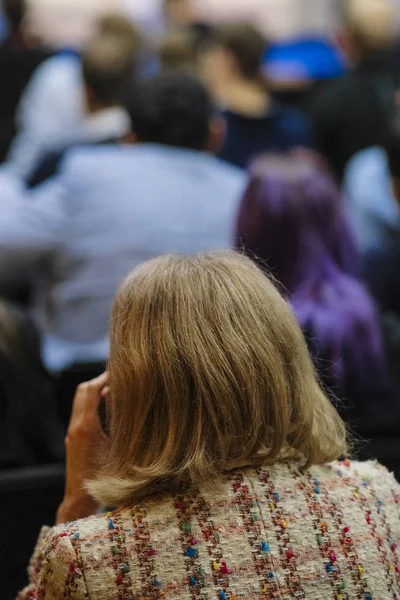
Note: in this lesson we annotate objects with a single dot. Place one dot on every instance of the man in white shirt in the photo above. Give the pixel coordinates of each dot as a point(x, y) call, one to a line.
point(54, 111)
point(107, 69)
point(111, 208)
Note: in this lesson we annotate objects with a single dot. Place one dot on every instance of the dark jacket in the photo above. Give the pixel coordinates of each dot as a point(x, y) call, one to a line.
point(30, 431)
point(354, 112)
point(382, 275)
point(280, 129)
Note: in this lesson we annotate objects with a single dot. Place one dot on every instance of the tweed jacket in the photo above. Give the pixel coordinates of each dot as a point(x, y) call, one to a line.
point(331, 532)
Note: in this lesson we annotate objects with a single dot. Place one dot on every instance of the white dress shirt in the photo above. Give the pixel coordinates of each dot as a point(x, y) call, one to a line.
point(52, 115)
point(109, 209)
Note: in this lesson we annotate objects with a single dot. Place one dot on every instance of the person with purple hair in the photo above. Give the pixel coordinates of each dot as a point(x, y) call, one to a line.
point(292, 222)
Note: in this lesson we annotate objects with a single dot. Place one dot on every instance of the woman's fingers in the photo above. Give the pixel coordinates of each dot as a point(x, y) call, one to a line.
point(85, 410)
point(88, 395)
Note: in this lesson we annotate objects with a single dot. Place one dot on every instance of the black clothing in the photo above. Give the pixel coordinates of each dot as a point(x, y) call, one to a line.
point(382, 275)
point(30, 431)
point(280, 129)
point(354, 113)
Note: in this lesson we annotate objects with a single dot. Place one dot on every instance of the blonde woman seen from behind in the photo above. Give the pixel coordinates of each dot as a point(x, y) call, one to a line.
point(221, 457)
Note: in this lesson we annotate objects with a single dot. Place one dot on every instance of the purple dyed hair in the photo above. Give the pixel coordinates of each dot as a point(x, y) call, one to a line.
point(292, 221)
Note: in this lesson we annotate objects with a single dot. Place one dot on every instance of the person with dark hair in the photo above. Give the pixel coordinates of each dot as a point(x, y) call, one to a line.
point(381, 262)
point(230, 63)
point(53, 109)
point(111, 207)
point(108, 67)
point(160, 117)
point(177, 51)
point(18, 61)
point(14, 11)
point(292, 221)
point(378, 199)
point(354, 112)
point(370, 192)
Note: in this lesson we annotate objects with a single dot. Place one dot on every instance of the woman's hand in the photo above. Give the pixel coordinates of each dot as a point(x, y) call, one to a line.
point(85, 443)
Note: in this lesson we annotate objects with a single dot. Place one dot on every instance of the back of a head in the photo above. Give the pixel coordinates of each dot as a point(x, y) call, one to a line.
point(293, 221)
point(246, 44)
point(373, 24)
point(209, 371)
point(15, 11)
point(172, 109)
point(107, 66)
point(302, 224)
point(114, 24)
point(177, 13)
point(177, 51)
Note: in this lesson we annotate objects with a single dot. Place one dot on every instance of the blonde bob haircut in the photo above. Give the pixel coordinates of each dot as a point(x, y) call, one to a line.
point(209, 371)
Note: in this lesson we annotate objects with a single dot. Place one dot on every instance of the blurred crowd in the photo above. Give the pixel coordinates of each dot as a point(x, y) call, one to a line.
point(186, 136)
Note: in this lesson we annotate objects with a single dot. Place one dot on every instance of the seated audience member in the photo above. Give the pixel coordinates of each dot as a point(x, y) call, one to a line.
point(177, 13)
point(52, 111)
point(373, 190)
point(353, 113)
point(218, 460)
point(231, 65)
point(107, 68)
point(177, 51)
point(292, 221)
point(372, 209)
point(18, 61)
point(30, 432)
point(296, 67)
point(381, 264)
point(112, 207)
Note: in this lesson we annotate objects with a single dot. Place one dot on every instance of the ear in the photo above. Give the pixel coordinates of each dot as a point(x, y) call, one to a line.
point(216, 134)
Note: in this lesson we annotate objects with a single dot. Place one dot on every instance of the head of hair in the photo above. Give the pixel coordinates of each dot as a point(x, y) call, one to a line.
point(372, 25)
point(209, 372)
point(172, 109)
point(124, 29)
point(15, 11)
point(292, 220)
point(177, 51)
point(107, 66)
point(245, 44)
point(177, 12)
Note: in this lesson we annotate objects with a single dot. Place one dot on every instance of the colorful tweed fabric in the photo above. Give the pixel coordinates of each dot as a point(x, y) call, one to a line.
point(331, 532)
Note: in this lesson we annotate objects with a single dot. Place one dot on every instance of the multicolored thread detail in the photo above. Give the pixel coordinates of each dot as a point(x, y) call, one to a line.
point(273, 533)
point(279, 518)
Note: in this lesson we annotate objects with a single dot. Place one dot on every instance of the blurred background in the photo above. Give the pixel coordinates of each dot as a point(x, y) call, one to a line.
point(66, 22)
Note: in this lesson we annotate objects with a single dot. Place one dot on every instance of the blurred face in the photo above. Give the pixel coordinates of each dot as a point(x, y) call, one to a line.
point(178, 13)
point(215, 68)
